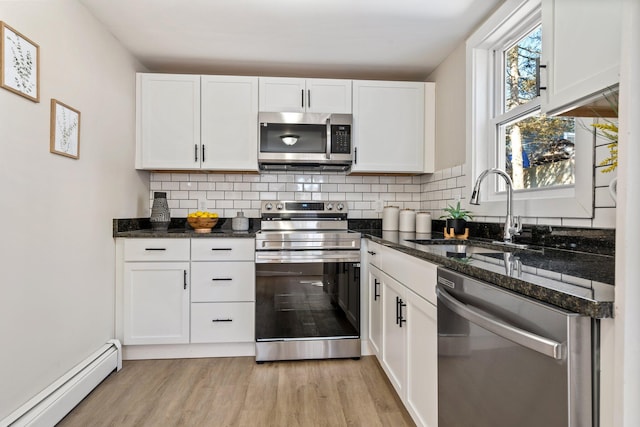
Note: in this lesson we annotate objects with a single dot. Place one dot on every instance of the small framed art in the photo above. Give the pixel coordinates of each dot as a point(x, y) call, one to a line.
point(19, 63)
point(65, 130)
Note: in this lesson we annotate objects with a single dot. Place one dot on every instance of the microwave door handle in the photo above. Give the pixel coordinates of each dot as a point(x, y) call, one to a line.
point(328, 138)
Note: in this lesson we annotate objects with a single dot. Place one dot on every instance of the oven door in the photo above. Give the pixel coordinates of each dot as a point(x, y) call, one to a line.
point(307, 297)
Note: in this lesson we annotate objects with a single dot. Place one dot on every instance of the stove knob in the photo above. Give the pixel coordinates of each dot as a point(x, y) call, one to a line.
point(340, 206)
point(268, 206)
point(279, 206)
point(329, 206)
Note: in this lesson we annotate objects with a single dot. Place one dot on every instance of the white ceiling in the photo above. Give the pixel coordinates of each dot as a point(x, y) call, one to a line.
point(359, 39)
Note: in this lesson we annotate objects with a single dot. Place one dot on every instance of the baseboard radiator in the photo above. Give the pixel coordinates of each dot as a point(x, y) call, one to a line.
point(57, 400)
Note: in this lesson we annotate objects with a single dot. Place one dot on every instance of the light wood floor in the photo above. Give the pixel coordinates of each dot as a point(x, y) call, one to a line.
point(239, 392)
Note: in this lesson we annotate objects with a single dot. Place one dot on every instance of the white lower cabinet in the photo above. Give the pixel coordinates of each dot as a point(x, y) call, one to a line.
point(403, 330)
point(223, 292)
point(375, 310)
point(394, 337)
point(422, 360)
point(156, 303)
point(186, 291)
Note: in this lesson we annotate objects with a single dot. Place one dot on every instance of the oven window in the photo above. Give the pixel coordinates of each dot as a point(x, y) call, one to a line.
point(293, 138)
point(307, 300)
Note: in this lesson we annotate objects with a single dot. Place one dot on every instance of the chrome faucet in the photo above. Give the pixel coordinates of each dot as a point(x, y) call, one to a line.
point(512, 224)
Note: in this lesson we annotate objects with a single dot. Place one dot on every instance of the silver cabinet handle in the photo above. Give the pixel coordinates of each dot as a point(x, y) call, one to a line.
point(527, 339)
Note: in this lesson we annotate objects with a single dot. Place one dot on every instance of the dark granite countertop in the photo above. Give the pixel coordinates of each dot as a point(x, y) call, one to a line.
point(576, 281)
point(179, 228)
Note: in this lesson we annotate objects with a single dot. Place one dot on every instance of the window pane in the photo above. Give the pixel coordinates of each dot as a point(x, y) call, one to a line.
point(521, 69)
point(546, 147)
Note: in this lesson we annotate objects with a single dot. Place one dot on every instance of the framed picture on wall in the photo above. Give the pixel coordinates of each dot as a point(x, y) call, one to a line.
point(19, 63)
point(65, 130)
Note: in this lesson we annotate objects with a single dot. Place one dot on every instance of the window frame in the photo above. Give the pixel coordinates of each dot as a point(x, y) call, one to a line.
point(484, 94)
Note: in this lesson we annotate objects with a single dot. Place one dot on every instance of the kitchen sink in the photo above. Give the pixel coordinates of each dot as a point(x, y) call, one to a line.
point(454, 250)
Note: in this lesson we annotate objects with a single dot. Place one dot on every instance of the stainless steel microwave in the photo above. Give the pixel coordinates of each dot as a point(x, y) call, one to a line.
point(304, 141)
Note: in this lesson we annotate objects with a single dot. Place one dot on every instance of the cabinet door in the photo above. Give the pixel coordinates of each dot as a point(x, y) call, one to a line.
point(328, 96)
point(422, 360)
point(168, 121)
point(282, 94)
point(393, 334)
point(229, 123)
point(388, 121)
point(375, 310)
point(583, 58)
point(156, 303)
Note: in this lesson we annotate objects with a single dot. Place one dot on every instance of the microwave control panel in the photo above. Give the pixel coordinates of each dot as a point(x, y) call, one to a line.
point(340, 139)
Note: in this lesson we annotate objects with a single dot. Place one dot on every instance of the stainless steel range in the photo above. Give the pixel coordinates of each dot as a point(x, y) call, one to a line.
point(307, 282)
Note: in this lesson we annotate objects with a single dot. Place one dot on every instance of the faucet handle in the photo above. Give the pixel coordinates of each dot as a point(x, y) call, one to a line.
point(516, 225)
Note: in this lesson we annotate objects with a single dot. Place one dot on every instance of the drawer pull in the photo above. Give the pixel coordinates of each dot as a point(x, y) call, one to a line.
point(221, 249)
point(155, 249)
point(185, 279)
point(215, 279)
point(222, 320)
point(371, 252)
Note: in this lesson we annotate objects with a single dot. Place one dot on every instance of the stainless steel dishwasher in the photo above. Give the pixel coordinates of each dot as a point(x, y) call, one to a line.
point(505, 360)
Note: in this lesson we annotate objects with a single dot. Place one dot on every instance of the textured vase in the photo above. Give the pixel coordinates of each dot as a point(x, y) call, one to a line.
point(160, 214)
point(240, 222)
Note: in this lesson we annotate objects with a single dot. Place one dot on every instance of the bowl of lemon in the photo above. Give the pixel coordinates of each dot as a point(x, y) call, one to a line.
point(202, 222)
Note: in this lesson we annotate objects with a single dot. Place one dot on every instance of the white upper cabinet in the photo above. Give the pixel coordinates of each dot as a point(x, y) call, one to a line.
point(284, 94)
point(189, 122)
point(581, 51)
point(229, 123)
point(168, 121)
point(389, 126)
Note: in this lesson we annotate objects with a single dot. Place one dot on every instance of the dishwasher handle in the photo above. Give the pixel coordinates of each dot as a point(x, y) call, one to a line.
point(527, 339)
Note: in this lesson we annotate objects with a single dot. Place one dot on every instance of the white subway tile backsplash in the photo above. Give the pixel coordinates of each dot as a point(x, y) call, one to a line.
point(228, 193)
point(278, 186)
point(196, 177)
point(168, 185)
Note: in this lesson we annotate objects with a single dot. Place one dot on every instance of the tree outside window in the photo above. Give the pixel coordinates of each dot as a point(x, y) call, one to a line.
point(538, 151)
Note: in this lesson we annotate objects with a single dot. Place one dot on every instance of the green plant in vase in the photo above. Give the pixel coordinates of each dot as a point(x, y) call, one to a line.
point(457, 218)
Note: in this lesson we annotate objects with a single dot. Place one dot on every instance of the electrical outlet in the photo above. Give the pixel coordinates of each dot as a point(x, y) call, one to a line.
point(378, 206)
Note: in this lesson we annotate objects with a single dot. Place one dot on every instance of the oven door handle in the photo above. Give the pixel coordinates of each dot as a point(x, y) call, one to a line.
point(534, 342)
point(288, 257)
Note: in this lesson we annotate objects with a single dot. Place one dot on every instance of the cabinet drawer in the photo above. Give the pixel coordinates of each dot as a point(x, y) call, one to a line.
point(418, 275)
point(219, 322)
point(223, 281)
point(239, 249)
point(156, 250)
point(373, 253)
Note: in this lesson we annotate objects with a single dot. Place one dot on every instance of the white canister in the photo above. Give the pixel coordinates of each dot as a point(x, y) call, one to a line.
point(423, 222)
point(407, 220)
point(240, 222)
point(390, 218)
